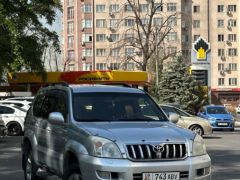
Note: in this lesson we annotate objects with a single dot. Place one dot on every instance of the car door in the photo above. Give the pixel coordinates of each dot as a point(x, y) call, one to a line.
point(7, 114)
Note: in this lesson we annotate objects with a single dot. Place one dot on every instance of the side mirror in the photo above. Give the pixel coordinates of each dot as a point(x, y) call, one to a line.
point(173, 117)
point(56, 118)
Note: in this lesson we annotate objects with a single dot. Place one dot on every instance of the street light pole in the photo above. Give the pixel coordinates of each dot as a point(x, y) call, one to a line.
point(156, 59)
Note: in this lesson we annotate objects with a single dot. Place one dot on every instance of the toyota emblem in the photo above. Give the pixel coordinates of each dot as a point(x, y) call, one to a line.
point(158, 148)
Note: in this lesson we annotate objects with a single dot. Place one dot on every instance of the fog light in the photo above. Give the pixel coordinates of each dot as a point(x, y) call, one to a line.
point(200, 172)
point(104, 174)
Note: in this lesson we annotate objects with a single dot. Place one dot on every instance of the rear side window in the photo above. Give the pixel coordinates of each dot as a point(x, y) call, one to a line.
point(6, 110)
point(37, 105)
point(16, 104)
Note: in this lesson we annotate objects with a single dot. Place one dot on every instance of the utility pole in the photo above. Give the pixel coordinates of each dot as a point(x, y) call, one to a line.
point(156, 59)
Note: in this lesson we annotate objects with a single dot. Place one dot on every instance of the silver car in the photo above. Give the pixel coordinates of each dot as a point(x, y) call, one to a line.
point(104, 132)
point(198, 125)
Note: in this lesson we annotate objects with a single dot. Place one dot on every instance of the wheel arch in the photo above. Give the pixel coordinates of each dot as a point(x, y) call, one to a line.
point(192, 125)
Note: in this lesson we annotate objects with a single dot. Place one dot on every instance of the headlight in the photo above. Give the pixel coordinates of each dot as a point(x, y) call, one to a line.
point(105, 148)
point(199, 147)
point(211, 119)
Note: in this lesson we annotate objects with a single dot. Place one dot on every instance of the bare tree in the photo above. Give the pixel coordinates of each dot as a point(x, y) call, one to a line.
point(148, 32)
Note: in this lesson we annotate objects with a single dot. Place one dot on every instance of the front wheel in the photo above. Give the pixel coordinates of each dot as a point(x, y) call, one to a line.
point(30, 168)
point(197, 129)
point(73, 173)
point(14, 129)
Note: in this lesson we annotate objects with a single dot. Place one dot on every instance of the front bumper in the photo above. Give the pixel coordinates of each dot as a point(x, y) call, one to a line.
point(216, 125)
point(3, 131)
point(124, 169)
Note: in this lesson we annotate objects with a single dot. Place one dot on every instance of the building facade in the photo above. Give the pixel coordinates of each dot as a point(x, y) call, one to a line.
point(94, 30)
point(217, 21)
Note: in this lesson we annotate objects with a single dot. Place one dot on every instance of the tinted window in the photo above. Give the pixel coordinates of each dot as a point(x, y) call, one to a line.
point(216, 110)
point(37, 105)
point(6, 110)
point(61, 105)
point(48, 106)
point(115, 107)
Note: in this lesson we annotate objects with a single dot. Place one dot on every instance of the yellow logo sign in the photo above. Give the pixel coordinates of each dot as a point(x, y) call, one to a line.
point(201, 47)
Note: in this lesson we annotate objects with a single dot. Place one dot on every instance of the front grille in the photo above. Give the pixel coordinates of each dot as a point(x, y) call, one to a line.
point(183, 175)
point(165, 152)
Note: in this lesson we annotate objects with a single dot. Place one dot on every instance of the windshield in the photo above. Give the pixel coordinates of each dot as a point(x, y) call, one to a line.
point(217, 110)
point(115, 107)
point(169, 109)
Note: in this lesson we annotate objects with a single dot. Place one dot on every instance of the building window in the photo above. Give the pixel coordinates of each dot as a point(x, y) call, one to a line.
point(220, 81)
point(71, 67)
point(100, 37)
point(129, 52)
point(145, 21)
point(114, 66)
point(114, 37)
point(128, 8)
point(221, 52)
point(100, 8)
point(115, 52)
point(129, 22)
point(101, 66)
point(114, 23)
point(232, 81)
point(195, 37)
point(159, 7)
point(232, 52)
point(232, 37)
point(87, 23)
point(172, 21)
point(172, 36)
point(101, 23)
point(220, 8)
point(87, 67)
point(196, 9)
point(70, 41)
point(87, 8)
point(196, 23)
point(157, 21)
point(70, 2)
point(114, 8)
point(129, 66)
point(70, 13)
point(220, 37)
point(143, 7)
point(71, 55)
point(232, 8)
point(171, 50)
point(87, 38)
point(232, 22)
point(171, 7)
point(220, 67)
point(129, 37)
point(101, 52)
point(232, 66)
point(220, 23)
point(70, 27)
point(87, 52)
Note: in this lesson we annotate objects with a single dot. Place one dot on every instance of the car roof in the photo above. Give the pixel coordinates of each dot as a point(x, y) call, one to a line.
point(214, 106)
point(91, 88)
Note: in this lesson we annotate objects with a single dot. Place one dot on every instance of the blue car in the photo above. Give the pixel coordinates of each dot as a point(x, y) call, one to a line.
point(218, 117)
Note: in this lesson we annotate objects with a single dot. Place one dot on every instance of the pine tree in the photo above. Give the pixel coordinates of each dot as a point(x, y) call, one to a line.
point(177, 86)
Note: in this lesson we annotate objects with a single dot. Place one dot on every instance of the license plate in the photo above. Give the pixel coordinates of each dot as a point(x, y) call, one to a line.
point(222, 124)
point(161, 176)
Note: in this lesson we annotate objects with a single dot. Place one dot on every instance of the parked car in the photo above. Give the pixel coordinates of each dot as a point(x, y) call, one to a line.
point(238, 109)
point(13, 117)
point(218, 116)
point(3, 128)
point(199, 125)
point(20, 103)
point(22, 98)
point(100, 132)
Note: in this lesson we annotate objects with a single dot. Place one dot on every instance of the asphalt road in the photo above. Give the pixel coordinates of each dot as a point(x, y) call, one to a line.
point(223, 147)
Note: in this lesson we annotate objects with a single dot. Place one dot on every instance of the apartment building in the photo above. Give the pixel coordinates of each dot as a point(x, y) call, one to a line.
point(93, 31)
point(217, 21)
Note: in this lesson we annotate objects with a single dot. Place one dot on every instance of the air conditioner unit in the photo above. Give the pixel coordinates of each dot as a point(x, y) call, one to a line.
point(82, 29)
point(227, 69)
point(229, 28)
point(83, 58)
point(223, 58)
point(222, 73)
point(229, 13)
point(83, 43)
point(229, 42)
point(111, 14)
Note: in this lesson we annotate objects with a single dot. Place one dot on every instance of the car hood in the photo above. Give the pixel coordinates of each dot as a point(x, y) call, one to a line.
point(220, 116)
point(194, 118)
point(138, 132)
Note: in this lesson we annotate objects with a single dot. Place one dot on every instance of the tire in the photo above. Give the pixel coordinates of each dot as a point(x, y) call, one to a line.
point(14, 129)
point(232, 129)
point(30, 168)
point(73, 173)
point(197, 129)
